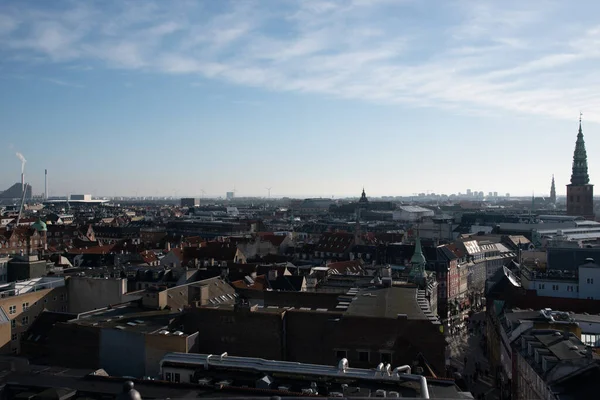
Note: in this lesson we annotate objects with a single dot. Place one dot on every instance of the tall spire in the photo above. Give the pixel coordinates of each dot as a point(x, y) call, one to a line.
point(418, 263)
point(580, 176)
point(418, 258)
point(363, 197)
point(553, 191)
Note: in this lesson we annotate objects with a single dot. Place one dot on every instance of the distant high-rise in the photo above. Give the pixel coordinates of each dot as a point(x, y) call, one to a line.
point(553, 191)
point(230, 195)
point(580, 193)
point(190, 202)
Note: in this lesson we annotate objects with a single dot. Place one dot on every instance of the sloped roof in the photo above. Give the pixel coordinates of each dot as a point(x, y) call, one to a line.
point(346, 267)
point(92, 250)
point(336, 242)
point(259, 283)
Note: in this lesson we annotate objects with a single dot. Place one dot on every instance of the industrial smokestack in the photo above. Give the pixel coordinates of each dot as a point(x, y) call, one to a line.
point(23, 161)
point(46, 184)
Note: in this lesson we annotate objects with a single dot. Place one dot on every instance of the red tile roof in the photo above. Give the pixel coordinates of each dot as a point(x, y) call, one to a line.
point(93, 250)
point(335, 242)
point(260, 283)
point(275, 240)
point(346, 267)
point(148, 256)
point(458, 252)
point(177, 252)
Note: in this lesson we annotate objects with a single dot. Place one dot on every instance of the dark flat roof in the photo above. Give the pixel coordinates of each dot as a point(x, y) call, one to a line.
point(387, 302)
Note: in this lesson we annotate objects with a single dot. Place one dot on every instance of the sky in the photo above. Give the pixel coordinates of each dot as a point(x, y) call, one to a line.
point(309, 98)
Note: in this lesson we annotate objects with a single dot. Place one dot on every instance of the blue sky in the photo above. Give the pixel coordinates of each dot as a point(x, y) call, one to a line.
point(308, 97)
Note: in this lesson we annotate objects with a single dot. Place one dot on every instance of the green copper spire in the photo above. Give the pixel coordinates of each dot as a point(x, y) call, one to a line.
point(418, 259)
point(580, 176)
point(417, 263)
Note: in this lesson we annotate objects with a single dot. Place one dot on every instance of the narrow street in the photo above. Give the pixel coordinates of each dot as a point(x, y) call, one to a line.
point(465, 345)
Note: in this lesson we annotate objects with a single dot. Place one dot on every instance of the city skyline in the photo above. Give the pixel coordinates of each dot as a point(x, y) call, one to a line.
point(126, 99)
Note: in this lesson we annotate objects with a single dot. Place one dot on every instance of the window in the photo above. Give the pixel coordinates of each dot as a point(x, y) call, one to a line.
point(386, 357)
point(363, 356)
point(63, 297)
point(25, 320)
point(339, 354)
point(13, 323)
point(12, 309)
point(177, 377)
point(63, 308)
point(168, 377)
point(13, 336)
point(25, 306)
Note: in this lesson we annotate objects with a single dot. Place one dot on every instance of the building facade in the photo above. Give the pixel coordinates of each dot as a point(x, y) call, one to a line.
point(22, 302)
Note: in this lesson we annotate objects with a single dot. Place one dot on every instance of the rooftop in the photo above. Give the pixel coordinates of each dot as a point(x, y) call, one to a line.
point(31, 285)
point(390, 302)
point(128, 317)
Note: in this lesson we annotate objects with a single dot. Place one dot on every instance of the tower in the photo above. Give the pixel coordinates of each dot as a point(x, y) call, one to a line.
point(580, 193)
point(363, 202)
point(553, 191)
point(418, 262)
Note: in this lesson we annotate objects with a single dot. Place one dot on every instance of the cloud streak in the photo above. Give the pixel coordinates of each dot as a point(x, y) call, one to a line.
point(492, 57)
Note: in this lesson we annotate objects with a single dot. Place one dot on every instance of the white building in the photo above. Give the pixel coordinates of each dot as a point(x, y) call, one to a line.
point(80, 197)
point(411, 213)
point(585, 284)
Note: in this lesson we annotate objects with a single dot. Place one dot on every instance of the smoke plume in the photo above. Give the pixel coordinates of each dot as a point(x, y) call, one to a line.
point(23, 161)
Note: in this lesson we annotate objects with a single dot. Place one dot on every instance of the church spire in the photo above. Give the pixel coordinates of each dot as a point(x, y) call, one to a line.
point(580, 176)
point(418, 258)
point(418, 263)
point(363, 198)
point(553, 191)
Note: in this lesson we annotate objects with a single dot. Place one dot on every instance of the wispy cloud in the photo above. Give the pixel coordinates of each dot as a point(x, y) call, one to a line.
point(63, 83)
point(510, 56)
point(248, 103)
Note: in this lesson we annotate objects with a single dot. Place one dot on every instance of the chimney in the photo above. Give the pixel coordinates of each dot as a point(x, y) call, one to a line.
point(272, 274)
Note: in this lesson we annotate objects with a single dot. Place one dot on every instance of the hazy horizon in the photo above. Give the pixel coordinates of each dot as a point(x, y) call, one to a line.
point(118, 98)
